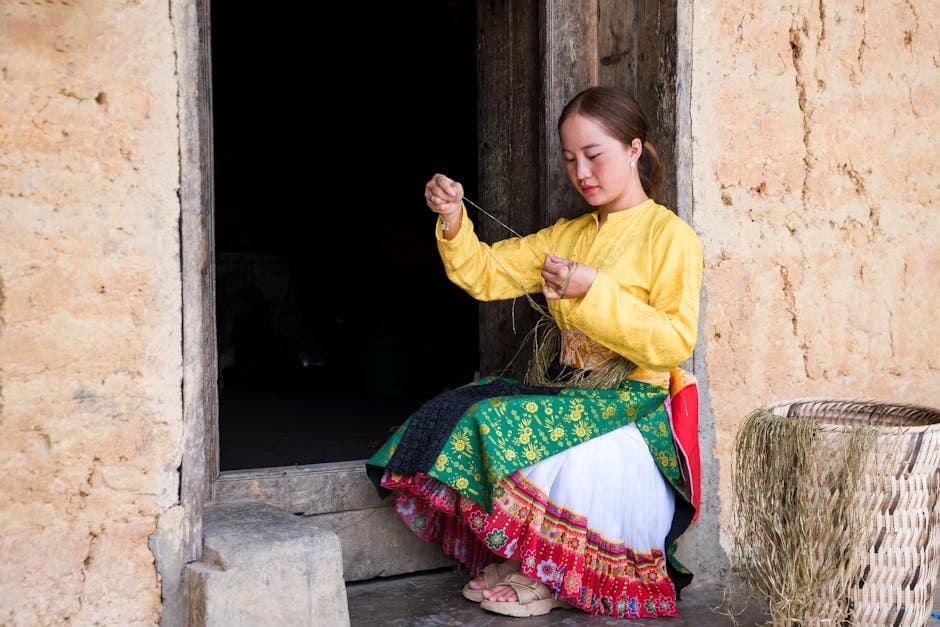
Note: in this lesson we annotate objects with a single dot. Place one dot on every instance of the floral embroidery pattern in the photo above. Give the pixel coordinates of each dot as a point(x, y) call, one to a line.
point(547, 570)
point(496, 539)
point(419, 523)
point(552, 544)
point(500, 435)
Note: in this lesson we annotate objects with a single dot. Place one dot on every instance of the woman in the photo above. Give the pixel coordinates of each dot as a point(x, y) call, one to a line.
point(569, 491)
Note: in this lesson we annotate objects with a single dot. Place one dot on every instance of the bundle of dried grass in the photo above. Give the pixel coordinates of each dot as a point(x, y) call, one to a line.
point(799, 531)
point(546, 345)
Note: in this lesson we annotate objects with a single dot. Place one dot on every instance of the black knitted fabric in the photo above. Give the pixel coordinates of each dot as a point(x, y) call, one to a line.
point(430, 426)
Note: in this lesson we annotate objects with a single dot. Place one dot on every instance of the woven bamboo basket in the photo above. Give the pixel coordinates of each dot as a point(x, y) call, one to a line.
point(900, 491)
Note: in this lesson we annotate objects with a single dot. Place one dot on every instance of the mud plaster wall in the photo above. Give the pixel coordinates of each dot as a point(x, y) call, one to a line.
point(90, 351)
point(815, 171)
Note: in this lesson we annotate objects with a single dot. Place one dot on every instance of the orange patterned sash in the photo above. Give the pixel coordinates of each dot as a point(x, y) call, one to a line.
point(580, 351)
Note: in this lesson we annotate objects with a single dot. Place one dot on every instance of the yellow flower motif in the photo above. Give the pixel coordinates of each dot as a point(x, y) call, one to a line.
point(609, 412)
point(631, 410)
point(534, 452)
point(582, 430)
point(441, 461)
point(462, 483)
point(524, 438)
point(577, 413)
point(548, 410)
point(510, 455)
point(461, 442)
point(557, 433)
point(484, 429)
point(531, 407)
point(662, 428)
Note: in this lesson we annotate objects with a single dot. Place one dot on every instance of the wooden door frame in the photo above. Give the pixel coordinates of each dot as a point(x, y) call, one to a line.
point(199, 466)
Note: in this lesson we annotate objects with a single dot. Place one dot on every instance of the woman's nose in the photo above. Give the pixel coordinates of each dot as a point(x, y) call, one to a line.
point(583, 171)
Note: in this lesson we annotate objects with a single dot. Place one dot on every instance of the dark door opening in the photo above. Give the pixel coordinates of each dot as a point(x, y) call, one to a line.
point(334, 317)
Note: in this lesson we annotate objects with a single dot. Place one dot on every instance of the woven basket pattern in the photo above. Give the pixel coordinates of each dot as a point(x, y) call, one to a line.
point(902, 485)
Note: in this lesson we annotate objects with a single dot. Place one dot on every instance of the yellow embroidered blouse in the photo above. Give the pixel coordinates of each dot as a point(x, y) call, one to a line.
point(644, 303)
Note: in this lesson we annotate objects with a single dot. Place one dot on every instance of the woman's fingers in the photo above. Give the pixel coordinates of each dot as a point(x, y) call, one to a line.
point(442, 194)
point(559, 275)
point(445, 189)
point(554, 267)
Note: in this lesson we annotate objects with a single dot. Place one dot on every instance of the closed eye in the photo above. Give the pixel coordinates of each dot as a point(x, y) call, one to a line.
point(593, 157)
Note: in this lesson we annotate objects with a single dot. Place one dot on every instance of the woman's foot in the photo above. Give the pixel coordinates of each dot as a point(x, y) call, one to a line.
point(518, 595)
point(489, 577)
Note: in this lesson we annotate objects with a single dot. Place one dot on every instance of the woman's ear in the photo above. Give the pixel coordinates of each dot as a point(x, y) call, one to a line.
point(636, 149)
point(634, 152)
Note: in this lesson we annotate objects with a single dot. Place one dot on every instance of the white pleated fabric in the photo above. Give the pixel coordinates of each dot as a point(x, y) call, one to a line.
point(613, 481)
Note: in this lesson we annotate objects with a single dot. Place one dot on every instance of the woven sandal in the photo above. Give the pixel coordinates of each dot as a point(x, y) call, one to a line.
point(534, 598)
point(492, 575)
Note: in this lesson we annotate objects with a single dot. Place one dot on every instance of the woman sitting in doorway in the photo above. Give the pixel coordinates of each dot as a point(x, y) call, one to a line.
point(572, 488)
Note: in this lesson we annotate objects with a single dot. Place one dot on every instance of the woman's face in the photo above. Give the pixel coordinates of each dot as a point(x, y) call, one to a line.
point(599, 165)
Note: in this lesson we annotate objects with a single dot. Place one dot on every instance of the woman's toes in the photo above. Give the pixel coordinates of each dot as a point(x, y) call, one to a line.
point(500, 594)
point(508, 597)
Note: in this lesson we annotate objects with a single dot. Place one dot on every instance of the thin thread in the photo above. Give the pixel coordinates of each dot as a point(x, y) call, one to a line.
point(494, 218)
point(541, 310)
point(563, 286)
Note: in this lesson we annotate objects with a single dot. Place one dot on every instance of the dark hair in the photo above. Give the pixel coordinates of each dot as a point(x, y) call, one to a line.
point(618, 112)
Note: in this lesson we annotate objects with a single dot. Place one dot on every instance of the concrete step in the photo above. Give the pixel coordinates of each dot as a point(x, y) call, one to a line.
point(434, 598)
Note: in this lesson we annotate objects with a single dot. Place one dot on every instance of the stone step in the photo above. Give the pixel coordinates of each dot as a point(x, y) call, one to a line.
point(434, 598)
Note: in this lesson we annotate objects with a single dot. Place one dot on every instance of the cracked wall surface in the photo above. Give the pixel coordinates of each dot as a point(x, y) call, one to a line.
point(815, 169)
point(90, 350)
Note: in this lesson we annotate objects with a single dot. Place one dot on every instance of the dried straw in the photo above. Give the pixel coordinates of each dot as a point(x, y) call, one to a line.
point(797, 527)
point(546, 345)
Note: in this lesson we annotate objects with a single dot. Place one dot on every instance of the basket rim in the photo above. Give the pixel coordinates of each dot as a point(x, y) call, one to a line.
point(859, 400)
point(861, 404)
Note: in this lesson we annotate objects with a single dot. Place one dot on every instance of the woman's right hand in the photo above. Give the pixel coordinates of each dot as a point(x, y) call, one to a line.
point(444, 196)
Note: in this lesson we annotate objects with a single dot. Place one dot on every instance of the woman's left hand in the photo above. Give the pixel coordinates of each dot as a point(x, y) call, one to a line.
point(565, 278)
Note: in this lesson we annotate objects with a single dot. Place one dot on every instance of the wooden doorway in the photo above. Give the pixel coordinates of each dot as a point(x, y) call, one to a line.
point(531, 57)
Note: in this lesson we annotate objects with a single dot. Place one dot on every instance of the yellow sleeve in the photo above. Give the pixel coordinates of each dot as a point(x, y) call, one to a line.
point(505, 269)
point(661, 334)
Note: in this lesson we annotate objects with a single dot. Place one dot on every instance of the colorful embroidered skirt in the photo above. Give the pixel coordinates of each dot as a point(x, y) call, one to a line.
point(587, 488)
